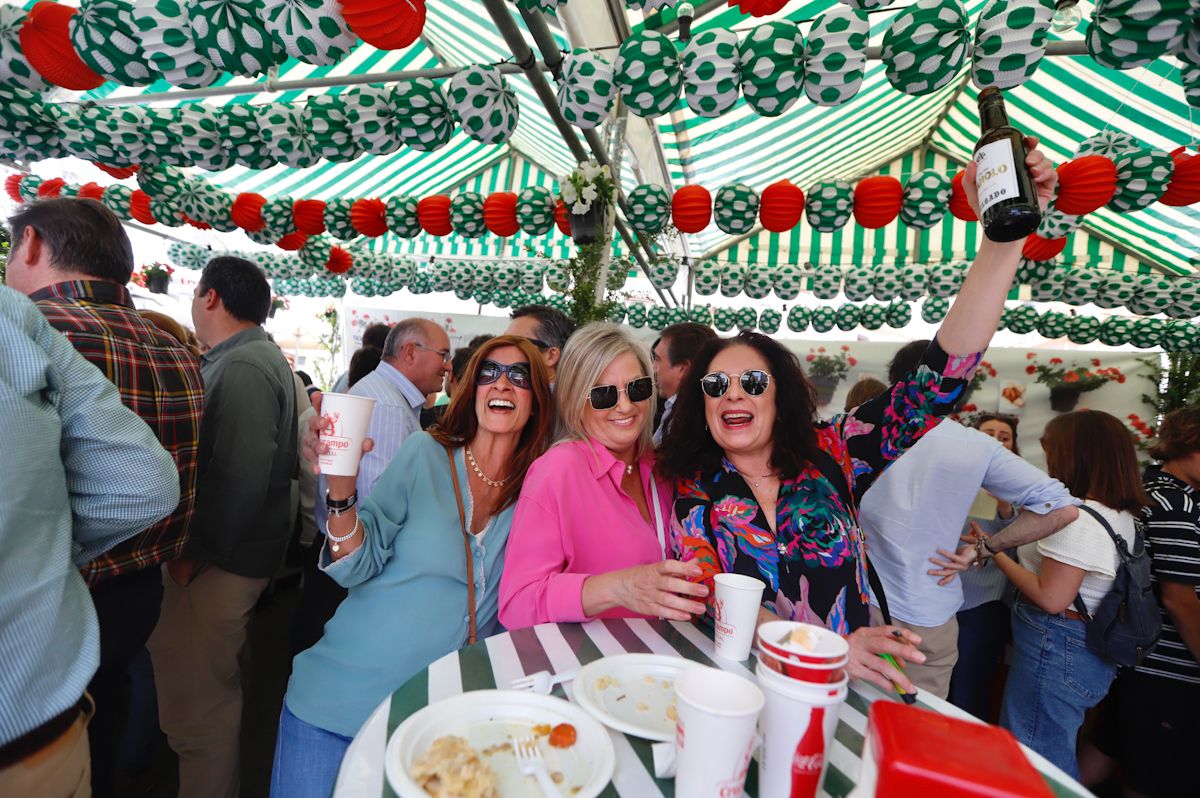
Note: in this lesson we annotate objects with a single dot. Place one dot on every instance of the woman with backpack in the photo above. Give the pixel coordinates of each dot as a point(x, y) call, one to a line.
point(1055, 676)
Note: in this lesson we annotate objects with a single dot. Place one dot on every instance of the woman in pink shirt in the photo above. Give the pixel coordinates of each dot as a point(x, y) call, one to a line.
point(589, 536)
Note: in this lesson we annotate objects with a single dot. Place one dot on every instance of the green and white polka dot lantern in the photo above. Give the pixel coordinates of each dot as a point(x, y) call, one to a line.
point(1010, 40)
point(656, 317)
point(462, 277)
point(103, 35)
point(328, 128)
point(166, 213)
point(312, 31)
point(859, 283)
point(899, 315)
point(483, 275)
point(925, 46)
point(201, 135)
point(239, 122)
point(1147, 333)
point(772, 59)
point(724, 319)
point(213, 207)
point(284, 136)
point(401, 216)
point(1083, 329)
point(636, 315)
point(1142, 177)
point(402, 270)
point(182, 255)
point(707, 280)
point(1024, 319)
point(1125, 34)
point(789, 279)
point(677, 316)
point(535, 210)
point(1033, 271)
point(649, 209)
point(166, 36)
point(760, 279)
point(648, 73)
point(823, 319)
point(663, 273)
point(160, 180)
point(533, 276)
point(315, 253)
point(277, 217)
point(733, 278)
point(701, 314)
point(769, 321)
point(508, 276)
point(872, 316)
point(835, 55)
point(1082, 285)
point(616, 313)
point(14, 67)
point(1109, 143)
point(827, 281)
point(558, 276)
point(337, 218)
point(1053, 324)
point(830, 205)
point(1155, 294)
point(466, 294)
point(231, 35)
point(1186, 304)
point(712, 72)
point(1049, 289)
point(371, 118)
point(544, 6)
point(441, 276)
point(747, 318)
point(502, 299)
point(424, 120)
point(587, 90)
point(420, 283)
point(1179, 336)
point(934, 308)
point(484, 105)
point(466, 214)
point(735, 208)
point(1055, 224)
point(945, 279)
point(914, 279)
point(1118, 289)
point(798, 319)
point(116, 198)
point(926, 199)
point(886, 282)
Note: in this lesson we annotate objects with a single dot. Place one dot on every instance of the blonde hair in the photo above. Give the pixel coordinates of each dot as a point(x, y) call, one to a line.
point(587, 354)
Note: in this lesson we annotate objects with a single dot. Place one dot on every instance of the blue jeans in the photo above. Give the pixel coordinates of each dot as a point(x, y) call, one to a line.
point(1054, 680)
point(982, 633)
point(307, 759)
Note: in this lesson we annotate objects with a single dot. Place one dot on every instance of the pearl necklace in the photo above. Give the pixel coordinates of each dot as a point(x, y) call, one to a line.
point(494, 483)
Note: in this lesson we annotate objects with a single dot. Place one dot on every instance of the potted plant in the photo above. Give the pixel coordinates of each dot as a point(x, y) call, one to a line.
point(825, 371)
point(588, 194)
point(1068, 384)
point(156, 277)
point(277, 303)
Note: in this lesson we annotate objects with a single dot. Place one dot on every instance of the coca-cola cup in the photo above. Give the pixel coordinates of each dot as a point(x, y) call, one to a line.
point(821, 673)
point(344, 423)
point(715, 720)
point(791, 641)
point(797, 727)
point(735, 613)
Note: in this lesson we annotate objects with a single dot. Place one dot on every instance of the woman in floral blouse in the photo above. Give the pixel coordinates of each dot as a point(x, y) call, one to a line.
point(765, 489)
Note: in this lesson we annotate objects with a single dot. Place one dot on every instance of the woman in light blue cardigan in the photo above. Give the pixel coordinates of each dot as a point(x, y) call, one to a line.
point(402, 554)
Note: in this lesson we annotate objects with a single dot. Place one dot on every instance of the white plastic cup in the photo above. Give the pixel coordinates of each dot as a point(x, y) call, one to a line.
point(735, 609)
point(784, 770)
point(346, 420)
point(716, 713)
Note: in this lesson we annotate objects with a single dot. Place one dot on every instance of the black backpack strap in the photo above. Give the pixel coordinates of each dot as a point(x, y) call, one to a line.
point(1080, 607)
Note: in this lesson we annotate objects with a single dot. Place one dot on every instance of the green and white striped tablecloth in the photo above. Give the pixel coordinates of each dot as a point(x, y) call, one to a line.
point(497, 661)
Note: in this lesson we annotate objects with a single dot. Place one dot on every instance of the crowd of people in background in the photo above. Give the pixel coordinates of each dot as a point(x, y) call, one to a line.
point(572, 475)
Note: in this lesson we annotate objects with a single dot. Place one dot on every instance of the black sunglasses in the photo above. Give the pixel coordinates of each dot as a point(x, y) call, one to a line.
point(754, 382)
point(604, 397)
point(518, 373)
point(539, 343)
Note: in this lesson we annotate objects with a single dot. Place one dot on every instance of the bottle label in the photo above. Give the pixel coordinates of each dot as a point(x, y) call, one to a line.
point(996, 178)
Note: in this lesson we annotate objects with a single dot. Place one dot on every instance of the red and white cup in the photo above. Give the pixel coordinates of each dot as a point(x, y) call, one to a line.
point(716, 714)
point(817, 673)
point(345, 420)
point(797, 727)
point(816, 644)
point(735, 612)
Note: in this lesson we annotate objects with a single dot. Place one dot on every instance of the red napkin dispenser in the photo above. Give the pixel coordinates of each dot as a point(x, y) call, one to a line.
point(924, 753)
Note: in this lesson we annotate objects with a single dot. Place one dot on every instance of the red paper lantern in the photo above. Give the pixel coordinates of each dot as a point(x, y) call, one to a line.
point(246, 211)
point(51, 188)
point(139, 207)
point(119, 172)
point(691, 208)
point(93, 191)
point(434, 214)
point(1037, 248)
point(500, 213)
point(561, 219)
point(195, 223)
point(292, 241)
point(959, 207)
point(12, 187)
point(781, 206)
point(46, 43)
point(385, 24)
point(758, 8)
point(309, 216)
point(339, 261)
point(877, 201)
point(1184, 188)
point(1085, 184)
point(369, 217)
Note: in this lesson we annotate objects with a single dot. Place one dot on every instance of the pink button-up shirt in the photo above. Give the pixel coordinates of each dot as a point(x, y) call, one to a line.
point(573, 520)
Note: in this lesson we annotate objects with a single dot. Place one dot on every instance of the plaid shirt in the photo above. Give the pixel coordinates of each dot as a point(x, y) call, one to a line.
point(158, 379)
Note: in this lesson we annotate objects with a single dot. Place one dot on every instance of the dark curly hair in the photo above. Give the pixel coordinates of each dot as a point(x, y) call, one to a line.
point(688, 447)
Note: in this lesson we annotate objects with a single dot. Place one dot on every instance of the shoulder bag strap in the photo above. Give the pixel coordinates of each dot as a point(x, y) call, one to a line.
point(466, 536)
point(1080, 607)
point(659, 527)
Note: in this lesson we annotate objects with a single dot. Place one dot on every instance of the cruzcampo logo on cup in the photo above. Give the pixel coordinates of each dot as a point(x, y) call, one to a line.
point(345, 420)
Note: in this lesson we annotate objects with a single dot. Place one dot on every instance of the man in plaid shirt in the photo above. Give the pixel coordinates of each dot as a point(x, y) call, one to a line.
point(73, 259)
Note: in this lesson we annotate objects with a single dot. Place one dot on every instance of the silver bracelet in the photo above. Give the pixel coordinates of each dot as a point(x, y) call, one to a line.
point(339, 540)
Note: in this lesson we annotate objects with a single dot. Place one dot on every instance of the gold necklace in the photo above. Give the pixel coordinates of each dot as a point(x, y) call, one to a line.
point(755, 481)
point(494, 483)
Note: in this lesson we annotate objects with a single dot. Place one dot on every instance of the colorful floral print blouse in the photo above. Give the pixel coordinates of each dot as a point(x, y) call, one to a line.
point(814, 565)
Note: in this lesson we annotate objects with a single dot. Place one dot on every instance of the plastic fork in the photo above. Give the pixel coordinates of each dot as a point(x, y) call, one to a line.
point(530, 762)
point(543, 682)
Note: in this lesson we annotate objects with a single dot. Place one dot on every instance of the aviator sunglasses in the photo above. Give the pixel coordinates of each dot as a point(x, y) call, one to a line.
point(490, 371)
point(604, 397)
point(754, 382)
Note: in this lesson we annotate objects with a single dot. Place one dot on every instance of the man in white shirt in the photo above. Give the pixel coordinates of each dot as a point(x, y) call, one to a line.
point(672, 355)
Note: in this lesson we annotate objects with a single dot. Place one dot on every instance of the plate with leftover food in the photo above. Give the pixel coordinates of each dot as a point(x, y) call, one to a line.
point(632, 693)
point(462, 747)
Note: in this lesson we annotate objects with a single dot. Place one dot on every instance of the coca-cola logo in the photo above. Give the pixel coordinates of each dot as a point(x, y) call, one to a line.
point(808, 763)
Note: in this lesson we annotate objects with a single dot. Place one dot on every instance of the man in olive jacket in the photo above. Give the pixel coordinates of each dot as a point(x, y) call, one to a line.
point(248, 461)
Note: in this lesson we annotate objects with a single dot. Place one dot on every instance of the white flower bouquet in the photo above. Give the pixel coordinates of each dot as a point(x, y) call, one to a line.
point(588, 184)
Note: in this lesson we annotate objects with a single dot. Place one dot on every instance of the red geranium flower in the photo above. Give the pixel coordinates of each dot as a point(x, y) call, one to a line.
point(1056, 361)
point(1095, 361)
point(811, 358)
point(845, 349)
point(1121, 379)
point(1070, 376)
point(853, 362)
point(1030, 355)
point(1030, 369)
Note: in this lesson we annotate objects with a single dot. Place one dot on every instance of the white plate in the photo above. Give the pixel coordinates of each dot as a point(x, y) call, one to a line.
point(487, 718)
point(632, 693)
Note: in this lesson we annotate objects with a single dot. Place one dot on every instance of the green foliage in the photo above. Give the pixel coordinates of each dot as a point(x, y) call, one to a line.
point(1175, 383)
point(331, 342)
point(585, 273)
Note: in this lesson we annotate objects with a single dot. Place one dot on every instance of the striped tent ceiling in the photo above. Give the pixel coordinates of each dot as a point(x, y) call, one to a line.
point(879, 130)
